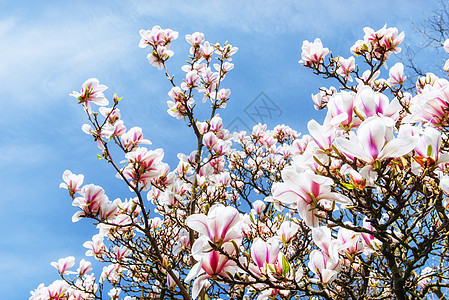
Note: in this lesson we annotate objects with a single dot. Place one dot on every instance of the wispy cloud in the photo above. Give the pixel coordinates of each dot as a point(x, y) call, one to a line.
point(40, 59)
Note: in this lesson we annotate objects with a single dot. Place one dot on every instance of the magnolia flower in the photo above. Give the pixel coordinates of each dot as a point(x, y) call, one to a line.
point(370, 103)
point(157, 36)
point(195, 39)
point(210, 265)
point(345, 67)
point(340, 111)
point(96, 246)
point(133, 137)
point(220, 225)
point(72, 182)
point(321, 134)
point(379, 43)
point(259, 207)
point(322, 237)
point(371, 143)
point(64, 264)
point(183, 241)
point(324, 266)
point(397, 75)
point(225, 51)
point(171, 283)
point(287, 231)
point(91, 91)
point(263, 253)
point(425, 277)
point(307, 190)
point(85, 267)
point(428, 148)
point(157, 57)
point(349, 242)
point(313, 53)
point(370, 241)
point(210, 140)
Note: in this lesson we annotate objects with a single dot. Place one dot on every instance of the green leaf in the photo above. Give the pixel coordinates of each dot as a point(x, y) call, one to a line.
point(429, 151)
point(251, 218)
point(348, 186)
point(99, 156)
point(285, 266)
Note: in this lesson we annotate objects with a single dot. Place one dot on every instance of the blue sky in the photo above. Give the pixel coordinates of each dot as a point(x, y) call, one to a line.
point(49, 48)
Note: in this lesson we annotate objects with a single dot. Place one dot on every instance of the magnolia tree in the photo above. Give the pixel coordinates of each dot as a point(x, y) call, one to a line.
point(356, 209)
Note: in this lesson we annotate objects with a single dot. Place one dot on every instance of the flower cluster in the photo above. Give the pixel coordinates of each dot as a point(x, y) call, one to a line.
point(354, 209)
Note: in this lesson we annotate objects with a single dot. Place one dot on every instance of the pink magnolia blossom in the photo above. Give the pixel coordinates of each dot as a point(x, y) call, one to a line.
point(313, 53)
point(170, 281)
point(122, 253)
point(63, 264)
point(287, 231)
point(226, 51)
point(428, 148)
point(133, 138)
point(145, 160)
point(258, 207)
point(220, 225)
point(349, 242)
point(370, 241)
point(207, 50)
point(96, 246)
point(431, 104)
point(157, 37)
point(321, 134)
point(91, 91)
point(112, 113)
point(57, 290)
point(216, 124)
point(157, 57)
point(91, 200)
point(397, 75)
point(72, 182)
point(324, 266)
point(322, 98)
point(143, 166)
point(114, 293)
point(179, 109)
point(222, 95)
point(183, 241)
point(85, 267)
point(112, 273)
point(340, 111)
point(191, 81)
point(322, 237)
point(210, 265)
point(225, 67)
point(425, 277)
point(116, 130)
point(195, 39)
point(307, 190)
point(379, 43)
point(263, 254)
point(155, 222)
point(371, 143)
point(210, 140)
point(345, 67)
point(370, 103)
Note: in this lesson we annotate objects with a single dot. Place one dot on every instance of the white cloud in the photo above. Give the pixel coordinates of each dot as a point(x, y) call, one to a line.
point(24, 155)
point(40, 60)
point(272, 17)
point(6, 25)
